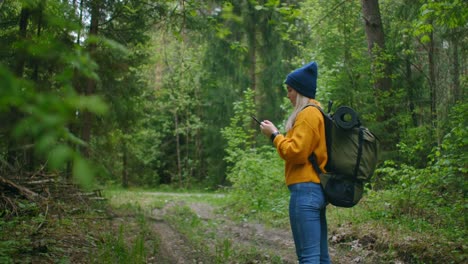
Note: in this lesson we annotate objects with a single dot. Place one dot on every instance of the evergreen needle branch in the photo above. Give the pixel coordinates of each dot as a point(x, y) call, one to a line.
point(329, 12)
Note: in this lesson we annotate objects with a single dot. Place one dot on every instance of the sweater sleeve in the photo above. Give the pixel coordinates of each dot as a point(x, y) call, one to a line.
point(302, 139)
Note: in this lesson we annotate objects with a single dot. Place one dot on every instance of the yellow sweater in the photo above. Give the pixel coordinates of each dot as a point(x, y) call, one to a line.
point(306, 136)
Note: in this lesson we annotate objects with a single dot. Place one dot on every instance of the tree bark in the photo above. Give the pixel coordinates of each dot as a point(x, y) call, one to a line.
point(380, 68)
point(252, 42)
point(433, 86)
point(411, 93)
point(376, 42)
point(90, 83)
point(253, 62)
point(124, 164)
point(188, 168)
point(13, 155)
point(456, 90)
point(22, 33)
point(179, 163)
point(39, 10)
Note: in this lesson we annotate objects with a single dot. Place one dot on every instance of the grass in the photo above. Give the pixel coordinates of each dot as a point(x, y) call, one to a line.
point(158, 199)
point(116, 249)
point(128, 239)
point(411, 238)
point(17, 230)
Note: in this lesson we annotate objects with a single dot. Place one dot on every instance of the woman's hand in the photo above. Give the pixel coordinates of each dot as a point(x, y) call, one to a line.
point(268, 128)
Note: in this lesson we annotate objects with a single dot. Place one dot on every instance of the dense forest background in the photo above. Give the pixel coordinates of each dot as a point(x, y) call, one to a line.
point(138, 92)
point(158, 94)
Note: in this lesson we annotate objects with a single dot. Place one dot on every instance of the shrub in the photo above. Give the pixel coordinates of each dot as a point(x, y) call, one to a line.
point(256, 173)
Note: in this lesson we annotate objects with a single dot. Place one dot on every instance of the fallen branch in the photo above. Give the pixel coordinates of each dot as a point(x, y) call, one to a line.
point(41, 181)
point(27, 193)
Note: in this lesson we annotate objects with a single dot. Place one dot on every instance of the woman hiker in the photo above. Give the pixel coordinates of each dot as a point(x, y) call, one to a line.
point(305, 134)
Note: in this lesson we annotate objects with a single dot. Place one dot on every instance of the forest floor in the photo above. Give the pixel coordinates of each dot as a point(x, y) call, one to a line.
point(166, 228)
point(193, 228)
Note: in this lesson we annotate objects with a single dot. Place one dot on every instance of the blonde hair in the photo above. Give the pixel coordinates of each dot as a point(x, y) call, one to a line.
point(301, 102)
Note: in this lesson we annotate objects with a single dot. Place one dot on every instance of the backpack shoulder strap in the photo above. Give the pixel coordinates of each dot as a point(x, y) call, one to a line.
point(312, 157)
point(316, 106)
point(330, 103)
point(313, 160)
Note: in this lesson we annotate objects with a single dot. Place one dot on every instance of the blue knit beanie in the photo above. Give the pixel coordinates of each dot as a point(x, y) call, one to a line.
point(304, 80)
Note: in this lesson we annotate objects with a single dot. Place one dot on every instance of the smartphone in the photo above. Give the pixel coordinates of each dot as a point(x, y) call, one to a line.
point(256, 120)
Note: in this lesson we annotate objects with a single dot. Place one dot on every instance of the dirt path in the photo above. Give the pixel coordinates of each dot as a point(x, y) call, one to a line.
point(195, 228)
point(268, 241)
point(177, 249)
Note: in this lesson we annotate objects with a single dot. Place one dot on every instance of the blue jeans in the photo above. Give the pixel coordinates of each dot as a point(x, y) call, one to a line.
point(308, 222)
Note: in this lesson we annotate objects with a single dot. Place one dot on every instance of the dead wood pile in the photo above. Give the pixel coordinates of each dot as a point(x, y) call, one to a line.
point(42, 189)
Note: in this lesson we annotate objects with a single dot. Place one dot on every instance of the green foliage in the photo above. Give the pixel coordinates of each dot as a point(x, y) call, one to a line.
point(168, 144)
point(413, 147)
point(256, 174)
point(434, 194)
point(8, 246)
point(248, 44)
point(449, 161)
point(449, 14)
point(164, 106)
point(46, 118)
point(400, 235)
point(258, 187)
point(50, 57)
point(239, 134)
point(131, 243)
point(41, 106)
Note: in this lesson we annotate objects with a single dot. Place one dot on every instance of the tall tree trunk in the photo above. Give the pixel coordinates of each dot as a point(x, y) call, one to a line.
point(347, 54)
point(199, 155)
point(23, 26)
point(75, 127)
point(179, 163)
point(376, 41)
point(29, 152)
point(411, 93)
point(90, 87)
point(456, 90)
point(78, 37)
point(253, 63)
point(40, 10)
point(200, 171)
point(433, 85)
point(13, 152)
point(187, 167)
point(124, 163)
point(380, 67)
point(251, 32)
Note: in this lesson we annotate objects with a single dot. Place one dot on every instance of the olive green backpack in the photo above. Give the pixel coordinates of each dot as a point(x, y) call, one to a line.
point(352, 156)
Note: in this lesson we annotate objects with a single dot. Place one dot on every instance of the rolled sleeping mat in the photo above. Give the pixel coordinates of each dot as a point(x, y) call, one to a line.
point(346, 118)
